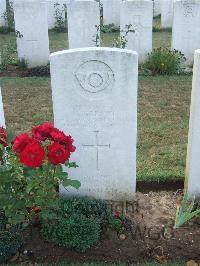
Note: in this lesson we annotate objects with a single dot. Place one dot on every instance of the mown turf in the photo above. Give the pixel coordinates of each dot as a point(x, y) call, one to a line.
point(59, 41)
point(163, 112)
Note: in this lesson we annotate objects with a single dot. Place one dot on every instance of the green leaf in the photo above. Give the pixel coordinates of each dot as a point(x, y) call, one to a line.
point(30, 186)
point(71, 164)
point(73, 183)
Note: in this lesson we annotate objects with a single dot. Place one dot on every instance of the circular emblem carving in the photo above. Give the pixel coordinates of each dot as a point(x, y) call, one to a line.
point(189, 11)
point(95, 76)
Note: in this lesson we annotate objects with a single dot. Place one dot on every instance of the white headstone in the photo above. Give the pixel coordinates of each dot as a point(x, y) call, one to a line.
point(166, 13)
point(111, 12)
point(55, 7)
point(95, 101)
point(2, 117)
point(193, 152)
point(186, 28)
point(2, 12)
point(83, 24)
point(138, 14)
point(31, 23)
point(156, 7)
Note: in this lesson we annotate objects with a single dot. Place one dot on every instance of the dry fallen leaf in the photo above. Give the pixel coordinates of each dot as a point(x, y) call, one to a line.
point(191, 263)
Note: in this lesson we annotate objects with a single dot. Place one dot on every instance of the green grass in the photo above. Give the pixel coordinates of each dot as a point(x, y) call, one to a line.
point(163, 113)
point(59, 41)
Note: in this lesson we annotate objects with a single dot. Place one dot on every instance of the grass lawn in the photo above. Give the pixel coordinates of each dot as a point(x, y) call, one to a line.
point(163, 112)
point(59, 41)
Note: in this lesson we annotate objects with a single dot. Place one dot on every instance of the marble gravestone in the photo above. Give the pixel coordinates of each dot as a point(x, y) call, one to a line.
point(2, 12)
point(186, 28)
point(54, 6)
point(111, 12)
point(83, 24)
point(138, 14)
point(32, 27)
point(94, 94)
point(156, 7)
point(2, 118)
point(193, 152)
point(166, 13)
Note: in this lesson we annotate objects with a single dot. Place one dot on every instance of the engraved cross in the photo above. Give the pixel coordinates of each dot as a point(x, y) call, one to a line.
point(96, 146)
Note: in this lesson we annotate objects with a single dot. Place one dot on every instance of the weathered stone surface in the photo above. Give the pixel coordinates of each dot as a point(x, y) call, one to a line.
point(166, 13)
point(32, 27)
point(157, 7)
point(95, 100)
point(186, 29)
point(138, 14)
point(83, 23)
point(55, 7)
point(111, 12)
point(193, 151)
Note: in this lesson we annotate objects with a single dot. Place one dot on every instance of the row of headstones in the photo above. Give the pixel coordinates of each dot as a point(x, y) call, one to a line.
point(111, 11)
point(83, 27)
point(95, 100)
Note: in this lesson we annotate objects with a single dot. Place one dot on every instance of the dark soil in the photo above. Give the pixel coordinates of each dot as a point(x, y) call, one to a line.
point(15, 71)
point(153, 211)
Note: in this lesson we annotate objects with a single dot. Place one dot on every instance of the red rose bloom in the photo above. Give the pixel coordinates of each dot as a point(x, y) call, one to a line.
point(20, 142)
point(60, 137)
point(43, 131)
point(69, 144)
point(57, 153)
point(3, 137)
point(32, 155)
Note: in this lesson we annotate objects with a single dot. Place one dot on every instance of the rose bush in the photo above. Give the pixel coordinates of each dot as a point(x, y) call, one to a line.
point(31, 169)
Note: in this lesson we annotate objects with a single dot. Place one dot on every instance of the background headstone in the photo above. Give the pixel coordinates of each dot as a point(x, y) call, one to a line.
point(2, 12)
point(138, 14)
point(193, 152)
point(166, 13)
point(156, 7)
point(32, 27)
point(2, 117)
point(186, 28)
point(111, 12)
point(54, 7)
point(83, 24)
point(95, 100)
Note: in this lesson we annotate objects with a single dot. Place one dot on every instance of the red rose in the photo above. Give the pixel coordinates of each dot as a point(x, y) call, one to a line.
point(42, 132)
point(57, 154)
point(20, 142)
point(3, 137)
point(117, 215)
point(32, 155)
point(57, 135)
point(69, 144)
point(60, 137)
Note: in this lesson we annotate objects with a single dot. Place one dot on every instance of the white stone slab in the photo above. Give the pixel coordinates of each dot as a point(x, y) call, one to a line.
point(2, 12)
point(139, 14)
point(111, 12)
point(83, 23)
point(95, 100)
point(186, 28)
point(157, 7)
point(193, 152)
point(2, 117)
point(166, 13)
point(54, 6)
point(31, 22)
